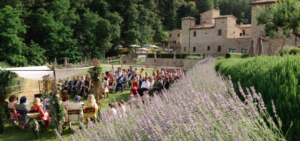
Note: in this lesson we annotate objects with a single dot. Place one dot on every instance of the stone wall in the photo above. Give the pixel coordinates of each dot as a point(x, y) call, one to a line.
point(186, 63)
point(165, 62)
point(127, 60)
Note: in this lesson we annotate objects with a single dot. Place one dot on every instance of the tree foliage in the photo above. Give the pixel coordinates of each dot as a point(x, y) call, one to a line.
point(283, 16)
point(37, 31)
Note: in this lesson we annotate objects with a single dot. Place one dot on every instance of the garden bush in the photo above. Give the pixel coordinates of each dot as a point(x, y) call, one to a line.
point(277, 78)
point(201, 106)
point(294, 50)
point(194, 57)
point(236, 55)
point(171, 55)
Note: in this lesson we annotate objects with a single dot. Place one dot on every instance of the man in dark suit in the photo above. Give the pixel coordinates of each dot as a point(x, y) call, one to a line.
point(121, 82)
point(166, 83)
point(68, 85)
point(130, 78)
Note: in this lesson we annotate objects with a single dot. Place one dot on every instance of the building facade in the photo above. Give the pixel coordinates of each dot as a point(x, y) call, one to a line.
point(218, 34)
point(175, 40)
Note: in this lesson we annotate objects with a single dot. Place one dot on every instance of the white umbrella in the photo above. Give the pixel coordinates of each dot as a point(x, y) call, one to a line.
point(119, 46)
point(135, 46)
point(144, 49)
point(154, 46)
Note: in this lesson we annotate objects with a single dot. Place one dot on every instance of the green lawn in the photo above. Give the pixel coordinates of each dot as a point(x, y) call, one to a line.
point(16, 134)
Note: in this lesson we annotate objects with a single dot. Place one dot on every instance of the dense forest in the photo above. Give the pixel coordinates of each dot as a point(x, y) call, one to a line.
point(35, 31)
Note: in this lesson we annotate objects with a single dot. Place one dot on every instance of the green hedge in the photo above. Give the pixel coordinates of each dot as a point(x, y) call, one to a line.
point(294, 50)
point(237, 55)
point(171, 55)
point(276, 78)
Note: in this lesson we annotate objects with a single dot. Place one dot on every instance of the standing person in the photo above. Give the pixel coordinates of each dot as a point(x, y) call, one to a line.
point(68, 85)
point(121, 82)
point(43, 115)
point(113, 69)
point(23, 115)
point(135, 86)
point(103, 88)
point(144, 87)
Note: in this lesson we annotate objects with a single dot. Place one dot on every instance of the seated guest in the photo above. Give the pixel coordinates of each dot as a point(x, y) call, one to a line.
point(151, 80)
point(137, 71)
point(166, 83)
point(65, 99)
point(68, 85)
point(121, 106)
point(12, 104)
point(121, 82)
point(140, 81)
point(111, 84)
point(138, 100)
point(131, 100)
point(23, 115)
point(113, 69)
point(43, 115)
point(131, 78)
point(147, 75)
point(157, 86)
point(112, 110)
point(76, 105)
point(42, 100)
point(144, 87)
point(74, 82)
point(154, 74)
point(90, 103)
point(135, 86)
point(77, 85)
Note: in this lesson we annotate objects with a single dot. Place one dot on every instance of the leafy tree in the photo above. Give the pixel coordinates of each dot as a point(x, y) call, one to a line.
point(11, 44)
point(34, 54)
point(283, 15)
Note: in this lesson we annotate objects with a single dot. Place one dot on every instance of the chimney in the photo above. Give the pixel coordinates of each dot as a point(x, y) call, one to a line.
point(204, 23)
point(241, 23)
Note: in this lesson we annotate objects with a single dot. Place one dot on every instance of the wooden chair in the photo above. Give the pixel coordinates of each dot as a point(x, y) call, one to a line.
point(73, 112)
point(89, 110)
point(11, 119)
point(22, 124)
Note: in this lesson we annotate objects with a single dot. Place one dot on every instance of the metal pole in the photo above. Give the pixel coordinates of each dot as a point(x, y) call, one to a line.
point(39, 86)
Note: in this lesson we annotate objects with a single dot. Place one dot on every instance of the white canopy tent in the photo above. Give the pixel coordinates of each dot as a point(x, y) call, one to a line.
point(144, 49)
point(37, 73)
point(34, 73)
point(135, 46)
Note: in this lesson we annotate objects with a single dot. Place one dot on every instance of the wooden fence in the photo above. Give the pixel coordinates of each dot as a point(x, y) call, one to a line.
point(20, 86)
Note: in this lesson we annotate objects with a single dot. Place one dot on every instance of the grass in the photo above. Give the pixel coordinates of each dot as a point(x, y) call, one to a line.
point(113, 62)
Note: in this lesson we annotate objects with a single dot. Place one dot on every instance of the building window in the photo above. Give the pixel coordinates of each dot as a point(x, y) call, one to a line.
point(208, 48)
point(244, 32)
point(195, 34)
point(241, 34)
point(170, 35)
point(194, 49)
point(219, 48)
point(178, 35)
point(244, 50)
point(219, 32)
point(184, 49)
point(233, 50)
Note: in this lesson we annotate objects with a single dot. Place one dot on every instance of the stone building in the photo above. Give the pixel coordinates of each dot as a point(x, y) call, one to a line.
point(218, 34)
point(175, 39)
point(215, 36)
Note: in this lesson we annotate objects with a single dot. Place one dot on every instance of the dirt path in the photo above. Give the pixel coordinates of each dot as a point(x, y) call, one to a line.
point(31, 87)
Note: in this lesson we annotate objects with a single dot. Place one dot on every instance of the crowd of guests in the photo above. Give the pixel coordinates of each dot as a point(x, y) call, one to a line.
point(142, 86)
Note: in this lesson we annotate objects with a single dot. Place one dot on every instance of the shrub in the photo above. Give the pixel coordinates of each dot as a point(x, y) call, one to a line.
point(194, 57)
point(171, 55)
point(236, 55)
point(200, 106)
point(294, 50)
point(277, 78)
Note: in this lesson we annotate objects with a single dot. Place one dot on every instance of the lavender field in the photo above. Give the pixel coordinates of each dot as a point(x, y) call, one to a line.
point(202, 106)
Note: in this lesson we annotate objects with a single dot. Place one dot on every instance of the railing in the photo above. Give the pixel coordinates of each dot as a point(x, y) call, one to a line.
point(20, 86)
